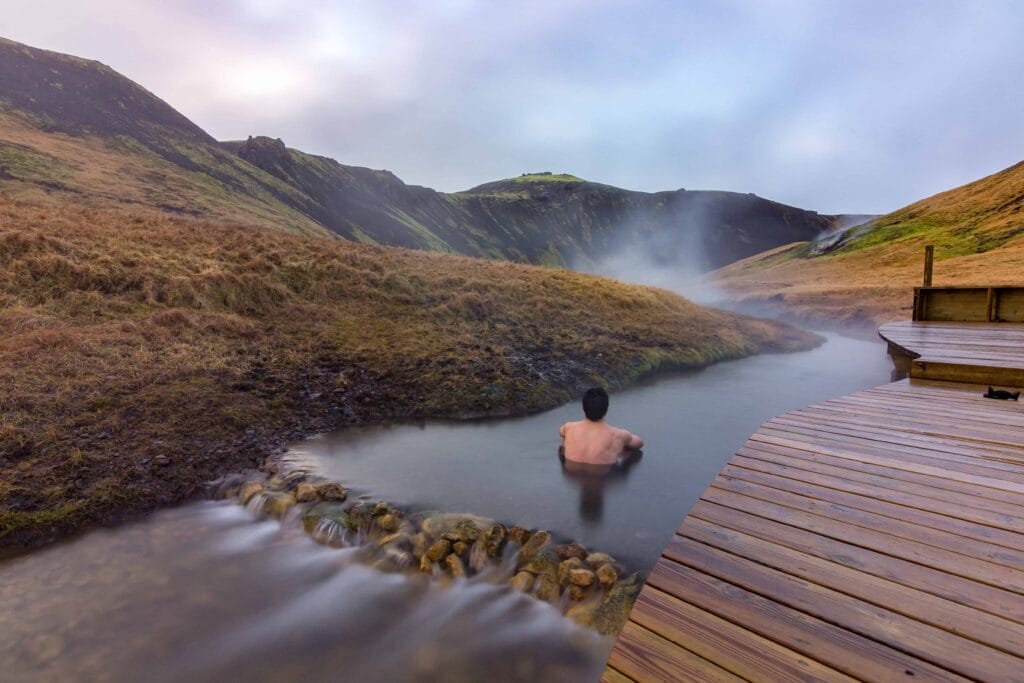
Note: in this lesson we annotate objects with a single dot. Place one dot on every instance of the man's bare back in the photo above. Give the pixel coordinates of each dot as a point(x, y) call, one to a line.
point(596, 443)
point(593, 440)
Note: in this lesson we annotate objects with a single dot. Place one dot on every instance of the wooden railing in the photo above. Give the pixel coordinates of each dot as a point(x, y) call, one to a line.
point(1004, 303)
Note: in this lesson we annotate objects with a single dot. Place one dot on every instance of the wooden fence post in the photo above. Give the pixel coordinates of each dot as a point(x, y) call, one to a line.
point(929, 257)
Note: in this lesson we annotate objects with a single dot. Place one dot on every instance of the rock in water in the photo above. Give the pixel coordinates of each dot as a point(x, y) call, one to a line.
point(595, 560)
point(478, 556)
point(547, 588)
point(305, 493)
point(607, 575)
point(565, 567)
point(538, 540)
point(331, 492)
point(455, 564)
point(387, 522)
point(545, 562)
point(522, 581)
point(460, 548)
point(439, 550)
point(441, 524)
point(519, 535)
point(329, 511)
point(279, 503)
point(248, 490)
point(496, 540)
point(464, 531)
point(611, 614)
point(419, 544)
point(426, 566)
point(568, 550)
point(581, 577)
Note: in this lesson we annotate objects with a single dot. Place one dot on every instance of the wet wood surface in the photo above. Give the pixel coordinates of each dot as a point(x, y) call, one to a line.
point(878, 536)
point(977, 352)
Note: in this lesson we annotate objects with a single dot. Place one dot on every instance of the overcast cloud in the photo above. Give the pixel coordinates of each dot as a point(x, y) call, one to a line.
point(839, 107)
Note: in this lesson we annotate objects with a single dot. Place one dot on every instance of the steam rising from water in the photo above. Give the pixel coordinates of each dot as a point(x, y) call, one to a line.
point(666, 250)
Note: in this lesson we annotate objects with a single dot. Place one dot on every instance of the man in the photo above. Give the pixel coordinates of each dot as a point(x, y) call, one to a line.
point(594, 441)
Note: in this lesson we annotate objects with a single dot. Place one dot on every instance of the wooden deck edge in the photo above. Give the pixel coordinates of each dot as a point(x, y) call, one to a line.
point(966, 373)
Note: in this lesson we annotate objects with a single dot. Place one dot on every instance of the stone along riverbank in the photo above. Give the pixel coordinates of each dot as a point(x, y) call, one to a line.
point(589, 587)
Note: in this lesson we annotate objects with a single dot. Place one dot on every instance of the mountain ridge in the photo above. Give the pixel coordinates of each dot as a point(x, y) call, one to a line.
point(77, 126)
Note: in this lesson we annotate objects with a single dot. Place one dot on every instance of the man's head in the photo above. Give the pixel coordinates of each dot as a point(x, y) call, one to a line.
point(595, 404)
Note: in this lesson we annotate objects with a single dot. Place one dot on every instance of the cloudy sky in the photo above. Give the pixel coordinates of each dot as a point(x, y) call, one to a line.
point(852, 106)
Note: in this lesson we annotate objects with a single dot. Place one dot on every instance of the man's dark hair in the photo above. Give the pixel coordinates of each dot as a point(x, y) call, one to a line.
point(595, 403)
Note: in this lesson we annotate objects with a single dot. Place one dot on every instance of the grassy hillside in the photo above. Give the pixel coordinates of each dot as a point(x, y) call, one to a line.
point(865, 276)
point(78, 128)
point(142, 354)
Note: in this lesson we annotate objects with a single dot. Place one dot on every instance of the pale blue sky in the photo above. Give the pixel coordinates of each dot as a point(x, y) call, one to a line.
point(833, 106)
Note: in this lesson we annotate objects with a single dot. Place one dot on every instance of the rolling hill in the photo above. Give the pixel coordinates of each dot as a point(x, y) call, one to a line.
point(862, 276)
point(77, 127)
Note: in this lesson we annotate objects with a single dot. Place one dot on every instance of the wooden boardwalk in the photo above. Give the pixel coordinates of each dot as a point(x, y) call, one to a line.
point(878, 536)
point(989, 353)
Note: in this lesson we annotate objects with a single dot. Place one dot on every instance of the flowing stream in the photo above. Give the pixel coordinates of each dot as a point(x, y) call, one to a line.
point(509, 469)
point(211, 592)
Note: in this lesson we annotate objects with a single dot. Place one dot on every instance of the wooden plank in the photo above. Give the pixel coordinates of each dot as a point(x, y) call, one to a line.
point(980, 433)
point(1001, 636)
point(802, 424)
point(867, 551)
point(1010, 305)
point(992, 463)
point(646, 656)
point(951, 470)
point(896, 496)
point(982, 412)
point(991, 373)
point(879, 466)
point(956, 305)
point(936, 645)
point(837, 647)
point(902, 526)
point(848, 427)
point(610, 675)
point(990, 535)
point(731, 647)
point(746, 457)
point(984, 435)
point(869, 432)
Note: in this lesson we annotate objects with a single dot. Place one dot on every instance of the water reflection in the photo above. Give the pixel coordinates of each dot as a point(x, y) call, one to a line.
point(593, 479)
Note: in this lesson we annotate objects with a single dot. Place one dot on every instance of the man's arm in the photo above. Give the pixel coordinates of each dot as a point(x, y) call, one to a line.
point(561, 430)
point(633, 442)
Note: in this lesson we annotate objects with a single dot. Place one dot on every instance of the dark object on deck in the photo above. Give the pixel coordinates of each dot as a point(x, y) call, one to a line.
point(1001, 394)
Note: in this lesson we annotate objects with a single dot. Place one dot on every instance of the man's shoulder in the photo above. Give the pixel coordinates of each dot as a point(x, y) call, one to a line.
point(621, 433)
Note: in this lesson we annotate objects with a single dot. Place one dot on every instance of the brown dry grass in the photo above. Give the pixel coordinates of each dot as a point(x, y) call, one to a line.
point(127, 335)
point(89, 169)
point(977, 230)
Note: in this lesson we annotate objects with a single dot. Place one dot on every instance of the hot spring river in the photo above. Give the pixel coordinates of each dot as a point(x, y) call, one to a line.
point(209, 592)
